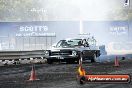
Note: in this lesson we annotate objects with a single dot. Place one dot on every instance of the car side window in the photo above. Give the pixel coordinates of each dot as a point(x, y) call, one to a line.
point(80, 43)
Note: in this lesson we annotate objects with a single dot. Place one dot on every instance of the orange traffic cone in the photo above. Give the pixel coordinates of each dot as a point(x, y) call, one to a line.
point(33, 74)
point(116, 62)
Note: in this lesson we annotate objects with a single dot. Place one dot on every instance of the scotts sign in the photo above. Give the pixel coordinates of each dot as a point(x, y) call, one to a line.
point(34, 30)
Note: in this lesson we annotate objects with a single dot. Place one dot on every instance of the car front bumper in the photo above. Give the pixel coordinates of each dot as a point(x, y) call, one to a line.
point(63, 57)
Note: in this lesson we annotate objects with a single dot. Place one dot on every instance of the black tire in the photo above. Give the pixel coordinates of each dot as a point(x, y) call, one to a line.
point(49, 61)
point(67, 62)
point(73, 61)
point(93, 58)
point(70, 61)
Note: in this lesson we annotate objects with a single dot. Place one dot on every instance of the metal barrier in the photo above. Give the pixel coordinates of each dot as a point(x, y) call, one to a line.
point(22, 57)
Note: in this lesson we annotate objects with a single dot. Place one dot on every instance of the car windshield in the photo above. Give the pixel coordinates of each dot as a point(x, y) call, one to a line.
point(69, 43)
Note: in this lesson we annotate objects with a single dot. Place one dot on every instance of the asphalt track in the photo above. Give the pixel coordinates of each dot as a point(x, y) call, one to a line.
point(61, 75)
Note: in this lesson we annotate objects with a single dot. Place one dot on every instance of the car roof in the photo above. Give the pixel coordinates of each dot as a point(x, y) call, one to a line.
point(73, 39)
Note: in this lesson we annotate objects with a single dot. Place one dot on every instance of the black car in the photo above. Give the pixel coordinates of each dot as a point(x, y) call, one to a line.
point(71, 50)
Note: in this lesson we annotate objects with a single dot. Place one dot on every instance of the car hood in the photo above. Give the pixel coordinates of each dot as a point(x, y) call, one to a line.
point(74, 48)
point(58, 49)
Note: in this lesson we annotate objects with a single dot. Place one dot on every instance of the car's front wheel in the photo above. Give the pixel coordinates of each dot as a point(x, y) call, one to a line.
point(49, 61)
point(70, 61)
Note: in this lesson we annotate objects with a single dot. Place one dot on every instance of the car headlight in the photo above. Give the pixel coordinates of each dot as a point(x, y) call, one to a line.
point(74, 53)
point(46, 53)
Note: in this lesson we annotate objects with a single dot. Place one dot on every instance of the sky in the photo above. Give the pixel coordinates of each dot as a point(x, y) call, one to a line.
point(64, 10)
point(95, 10)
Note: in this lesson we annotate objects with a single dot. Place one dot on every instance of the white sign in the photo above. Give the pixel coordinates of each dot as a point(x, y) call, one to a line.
point(33, 28)
point(34, 31)
point(35, 34)
point(38, 10)
point(118, 30)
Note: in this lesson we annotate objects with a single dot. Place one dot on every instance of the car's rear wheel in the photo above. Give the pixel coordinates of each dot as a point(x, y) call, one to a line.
point(93, 58)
